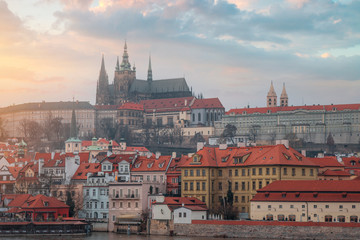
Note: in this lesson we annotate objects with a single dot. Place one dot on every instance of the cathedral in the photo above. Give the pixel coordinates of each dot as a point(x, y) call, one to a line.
point(127, 88)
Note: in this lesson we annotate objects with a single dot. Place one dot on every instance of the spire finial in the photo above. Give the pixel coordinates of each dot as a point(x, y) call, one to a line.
point(117, 67)
point(149, 76)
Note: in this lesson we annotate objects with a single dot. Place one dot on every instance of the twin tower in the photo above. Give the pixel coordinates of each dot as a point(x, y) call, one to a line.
point(271, 99)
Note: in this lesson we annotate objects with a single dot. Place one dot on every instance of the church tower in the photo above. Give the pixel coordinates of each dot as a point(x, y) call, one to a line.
point(284, 97)
point(124, 77)
point(73, 144)
point(102, 90)
point(271, 97)
point(149, 75)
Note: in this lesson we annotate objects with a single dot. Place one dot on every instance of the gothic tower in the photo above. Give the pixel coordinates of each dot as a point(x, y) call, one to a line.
point(102, 91)
point(284, 97)
point(271, 97)
point(149, 75)
point(124, 76)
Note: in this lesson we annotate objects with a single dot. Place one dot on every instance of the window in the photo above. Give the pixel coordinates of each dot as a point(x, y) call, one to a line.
point(185, 173)
point(236, 186)
point(186, 186)
point(311, 172)
point(203, 173)
point(269, 217)
point(253, 185)
point(291, 206)
point(191, 186)
point(315, 206)
point(129, 205)
point(303, 172)
point(254, 171)
point(260, 171)
point(236, 199)
point(341, 218)
point(198, 172)
point(341, 206)
point(179, 214)
point(236, 172)
point(328, 218)
point(326, 206)
point(353, 206)
point(258, 206)
point(184, 214)
point(293, 172)
point(243, 186)
point(353, 219)
point(203, 186)
point(243, 173)
point(281, 217)
point(260, 184)
point(242, 199)
point(220, 173)
point(280, 206)
point(292, 218)
point(94, 192)
point(191, 172)
point(197, 186)
point(267, 171)
point(285, 171)
point(274, 171)
point(220, 185)
point(230, 173)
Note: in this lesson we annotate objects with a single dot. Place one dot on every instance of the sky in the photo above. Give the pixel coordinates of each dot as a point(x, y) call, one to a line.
point(50, 50)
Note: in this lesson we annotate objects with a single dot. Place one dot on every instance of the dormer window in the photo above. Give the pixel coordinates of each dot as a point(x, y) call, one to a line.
point(46, 204)
point(352, 163)
point(287, 156)
point(149, 165)
point(161, 165)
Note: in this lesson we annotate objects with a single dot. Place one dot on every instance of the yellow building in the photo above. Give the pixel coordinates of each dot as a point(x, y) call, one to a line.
point(301, 201)
point(210, 172)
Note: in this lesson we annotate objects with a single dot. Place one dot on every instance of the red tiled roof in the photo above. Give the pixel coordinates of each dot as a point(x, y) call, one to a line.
point(195, 208)
point(84, 168)
point(312, 186)
point(132, 106)
point(310, 190)
point(176, 163)
point(260, 155)
point(207, 103)
point(19, 200)
point(334, 173)
point(144, 164)
point(166, 105)
point(39, 201)
point(187, 201)
point(134, 149)
point(100, 140)
point(263, 110)
point(329, 161)
point(46, 156)
point(351, 162)
point(14, 171)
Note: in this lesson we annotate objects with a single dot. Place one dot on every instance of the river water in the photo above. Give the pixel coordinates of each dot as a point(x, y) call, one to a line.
point(111, 236)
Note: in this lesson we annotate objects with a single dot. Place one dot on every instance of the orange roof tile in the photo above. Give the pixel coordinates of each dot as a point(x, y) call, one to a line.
point(39, 201)
point(248, 156)
point(207, 103)
point(84, 168)
point(144, 164)
point(166, 105)
point(335, 173)
point(132, 106)
point(329, 161)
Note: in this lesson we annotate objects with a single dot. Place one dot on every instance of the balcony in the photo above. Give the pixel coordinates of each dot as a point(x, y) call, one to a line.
point(131, 196)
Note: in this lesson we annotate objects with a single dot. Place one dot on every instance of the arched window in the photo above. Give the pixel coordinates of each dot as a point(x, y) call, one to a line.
point(193, 117)
point(353, 219)
point(199, 117)
point(269, 217)
point(292, 218)
point(341, 218)
point(281, 217)
point(328, 218)
point(95, 215)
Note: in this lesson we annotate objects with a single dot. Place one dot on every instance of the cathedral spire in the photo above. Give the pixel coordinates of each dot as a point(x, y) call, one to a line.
point(117, 67)
point(125, 64)
point(149, 75)
point(284, 97)
point(102, 91)
point(102, 68)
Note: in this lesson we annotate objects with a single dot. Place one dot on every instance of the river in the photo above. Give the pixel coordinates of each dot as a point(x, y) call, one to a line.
point(111, 236)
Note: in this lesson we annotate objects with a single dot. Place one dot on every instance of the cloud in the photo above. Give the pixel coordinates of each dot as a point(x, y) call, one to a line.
point(326, 55)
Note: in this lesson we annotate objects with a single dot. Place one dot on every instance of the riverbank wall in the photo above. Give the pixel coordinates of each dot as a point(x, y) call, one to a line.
point(268, 230)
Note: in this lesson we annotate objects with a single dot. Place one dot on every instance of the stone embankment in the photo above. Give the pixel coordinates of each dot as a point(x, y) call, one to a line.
point(266, 230)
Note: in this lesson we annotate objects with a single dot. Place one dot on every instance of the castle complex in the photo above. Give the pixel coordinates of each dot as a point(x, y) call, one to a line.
point(127, 88)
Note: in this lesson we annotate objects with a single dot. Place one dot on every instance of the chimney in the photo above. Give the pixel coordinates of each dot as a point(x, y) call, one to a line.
point(199, 146)
point(185, 102)
point(52, 155)
point(223, 146)
point(173, 155)
point(241, 144)
point(303, 152)
point(284, 142)
point(157, 154)
point(148, 155)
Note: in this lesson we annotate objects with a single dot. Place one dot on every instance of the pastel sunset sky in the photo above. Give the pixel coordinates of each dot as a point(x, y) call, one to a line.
point(51, 49)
